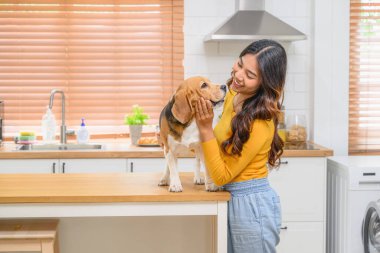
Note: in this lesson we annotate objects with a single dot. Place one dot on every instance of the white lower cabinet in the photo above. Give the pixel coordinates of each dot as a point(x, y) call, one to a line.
point(62, 165)
point(11, 166)
point(301, 237)
point(93, 165)
point(301, 184)
point(146, 165)
point(158, 164)
point(186, 164)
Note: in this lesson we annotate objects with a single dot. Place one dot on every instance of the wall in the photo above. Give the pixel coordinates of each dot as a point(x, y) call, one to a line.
point(215, 59)
point(331, 74)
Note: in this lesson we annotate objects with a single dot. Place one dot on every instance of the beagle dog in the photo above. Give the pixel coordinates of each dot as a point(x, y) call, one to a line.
point(179, 132)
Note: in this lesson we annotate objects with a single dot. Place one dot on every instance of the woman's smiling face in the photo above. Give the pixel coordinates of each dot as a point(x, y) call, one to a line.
point(246, 77)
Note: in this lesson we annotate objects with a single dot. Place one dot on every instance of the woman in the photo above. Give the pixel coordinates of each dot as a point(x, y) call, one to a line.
point(244, 142)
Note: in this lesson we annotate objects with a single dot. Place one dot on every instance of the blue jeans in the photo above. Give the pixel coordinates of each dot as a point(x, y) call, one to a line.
point(254, 217)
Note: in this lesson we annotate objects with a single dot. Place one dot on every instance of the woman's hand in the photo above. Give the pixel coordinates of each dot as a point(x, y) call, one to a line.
point(204, 116)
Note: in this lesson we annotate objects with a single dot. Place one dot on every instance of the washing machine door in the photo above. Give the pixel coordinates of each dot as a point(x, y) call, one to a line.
point(371, 228)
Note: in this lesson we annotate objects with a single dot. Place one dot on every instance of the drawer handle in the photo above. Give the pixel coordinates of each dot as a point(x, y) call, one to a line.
point(131, 167)
point(284, 228)
point(63, 167)
point(53, 167)
point(284, 162)
point(374, 182)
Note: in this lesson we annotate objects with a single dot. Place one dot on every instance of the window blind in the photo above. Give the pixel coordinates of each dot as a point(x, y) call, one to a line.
point(364, 87)
point(106, 55)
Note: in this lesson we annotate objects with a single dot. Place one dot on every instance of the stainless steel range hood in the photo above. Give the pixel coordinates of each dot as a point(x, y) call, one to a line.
point(252, 22)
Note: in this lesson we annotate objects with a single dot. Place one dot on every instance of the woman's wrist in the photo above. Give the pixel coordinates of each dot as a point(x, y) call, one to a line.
point(206, 134)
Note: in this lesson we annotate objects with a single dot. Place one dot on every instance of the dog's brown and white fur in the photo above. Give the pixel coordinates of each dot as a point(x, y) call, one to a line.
point(179, 132)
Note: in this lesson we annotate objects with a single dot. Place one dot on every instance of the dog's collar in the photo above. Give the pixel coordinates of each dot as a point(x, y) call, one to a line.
point(217, 103)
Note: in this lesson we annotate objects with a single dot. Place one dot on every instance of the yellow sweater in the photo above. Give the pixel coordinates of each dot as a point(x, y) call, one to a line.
point(251, 164)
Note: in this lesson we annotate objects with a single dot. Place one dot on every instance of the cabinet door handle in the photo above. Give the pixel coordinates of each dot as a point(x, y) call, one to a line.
point(53, 167)
point(284, 162)
point(284, 228)
point(63, 167)
point(131, 167)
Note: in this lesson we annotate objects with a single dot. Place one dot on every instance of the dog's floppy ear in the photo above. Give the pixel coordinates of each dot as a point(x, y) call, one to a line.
point(182, 109)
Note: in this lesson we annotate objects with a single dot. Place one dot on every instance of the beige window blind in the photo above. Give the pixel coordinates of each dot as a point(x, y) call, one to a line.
point(364, 93)
point(106, 55)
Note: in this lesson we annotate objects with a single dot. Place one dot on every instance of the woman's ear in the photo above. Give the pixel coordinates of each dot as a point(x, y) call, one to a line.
point(182, 109)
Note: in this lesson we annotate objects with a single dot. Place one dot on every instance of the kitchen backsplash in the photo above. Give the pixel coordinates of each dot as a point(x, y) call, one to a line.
point(215, 59)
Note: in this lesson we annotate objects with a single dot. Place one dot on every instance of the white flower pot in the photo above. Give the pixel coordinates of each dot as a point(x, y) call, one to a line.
point(135, 133)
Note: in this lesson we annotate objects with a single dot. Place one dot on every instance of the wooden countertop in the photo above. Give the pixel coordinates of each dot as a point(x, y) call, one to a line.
point(122, 148)
point(99, 188)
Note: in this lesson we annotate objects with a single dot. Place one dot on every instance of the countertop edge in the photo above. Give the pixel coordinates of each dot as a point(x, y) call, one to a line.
point(104, 199)
point(126, 150)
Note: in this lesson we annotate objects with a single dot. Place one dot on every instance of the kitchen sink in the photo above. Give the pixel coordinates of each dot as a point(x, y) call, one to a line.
point(69, 146)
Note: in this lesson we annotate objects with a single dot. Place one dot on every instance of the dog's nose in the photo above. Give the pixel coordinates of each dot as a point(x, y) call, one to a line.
point(223, 87)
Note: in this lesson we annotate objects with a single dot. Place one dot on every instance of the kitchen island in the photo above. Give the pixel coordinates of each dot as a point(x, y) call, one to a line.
point(110, 195)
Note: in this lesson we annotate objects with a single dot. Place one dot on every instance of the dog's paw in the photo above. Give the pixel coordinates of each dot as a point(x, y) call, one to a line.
point(175, 188)
point(163, 182)
point(199, 181)
point(211, 187)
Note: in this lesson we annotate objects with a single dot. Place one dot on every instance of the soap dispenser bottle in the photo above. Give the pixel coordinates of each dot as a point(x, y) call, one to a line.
point(82, 134)
point(48, 126)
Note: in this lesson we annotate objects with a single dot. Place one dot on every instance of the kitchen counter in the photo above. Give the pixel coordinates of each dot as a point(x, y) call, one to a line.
point(109, 195)
point(122, 148)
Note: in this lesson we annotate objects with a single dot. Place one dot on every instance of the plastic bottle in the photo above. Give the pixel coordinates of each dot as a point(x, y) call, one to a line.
point(48, 126)
point(82, 134)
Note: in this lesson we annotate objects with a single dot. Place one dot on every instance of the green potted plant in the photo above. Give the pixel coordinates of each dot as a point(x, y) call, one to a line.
point(136, 120)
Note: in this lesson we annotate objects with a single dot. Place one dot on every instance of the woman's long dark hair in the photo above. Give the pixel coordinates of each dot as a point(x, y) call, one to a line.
point(266, 103)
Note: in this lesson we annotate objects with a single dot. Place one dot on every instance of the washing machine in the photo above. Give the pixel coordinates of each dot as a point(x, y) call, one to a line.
point(353, 204)
point(371, 228)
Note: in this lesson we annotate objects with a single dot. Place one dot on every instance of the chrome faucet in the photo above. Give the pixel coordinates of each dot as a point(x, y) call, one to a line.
point(63, 126)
